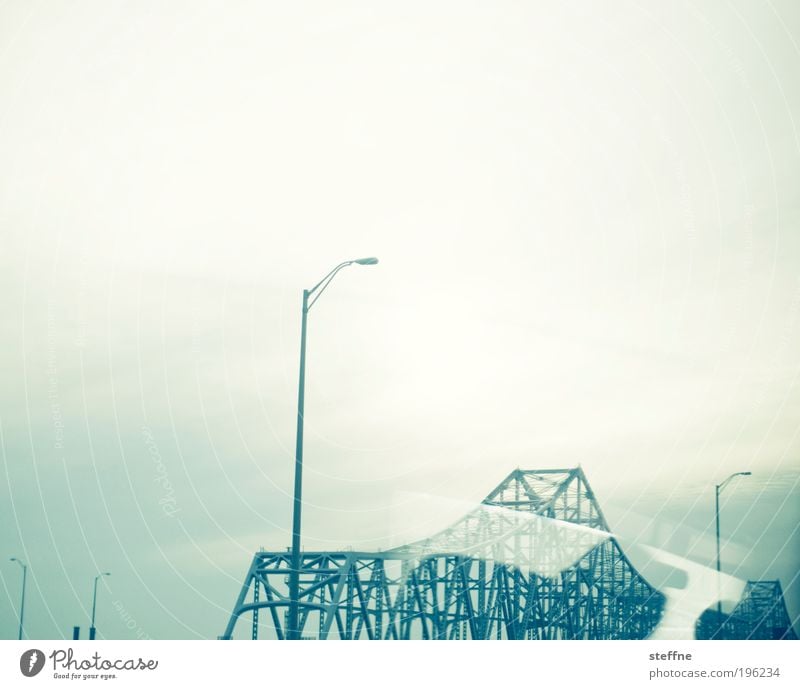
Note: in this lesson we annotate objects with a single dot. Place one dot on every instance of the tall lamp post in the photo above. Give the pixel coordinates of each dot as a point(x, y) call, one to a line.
point(717, 490)
point(92, 630)
point(22, 603)
point(310, 297)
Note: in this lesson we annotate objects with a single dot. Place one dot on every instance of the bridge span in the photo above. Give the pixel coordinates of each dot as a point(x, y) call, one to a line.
point(535, 560)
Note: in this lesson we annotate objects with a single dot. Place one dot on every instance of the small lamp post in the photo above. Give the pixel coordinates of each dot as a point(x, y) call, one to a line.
point(92, 630)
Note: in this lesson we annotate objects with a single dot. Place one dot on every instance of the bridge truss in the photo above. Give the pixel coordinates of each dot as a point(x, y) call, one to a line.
point(760, 614)
point(535, 560)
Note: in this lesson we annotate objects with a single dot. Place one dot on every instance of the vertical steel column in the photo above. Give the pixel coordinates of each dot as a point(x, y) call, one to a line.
point(255, 610)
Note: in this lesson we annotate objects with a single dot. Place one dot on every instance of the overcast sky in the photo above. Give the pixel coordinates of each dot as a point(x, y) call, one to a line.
point(588, 226)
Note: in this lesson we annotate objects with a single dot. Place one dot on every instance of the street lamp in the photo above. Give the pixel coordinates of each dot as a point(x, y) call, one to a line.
point(717, 490)
point(22, 604)
point(94, 603)
point(293, 626)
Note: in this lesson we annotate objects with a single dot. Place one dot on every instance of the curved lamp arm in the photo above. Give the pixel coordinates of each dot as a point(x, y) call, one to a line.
point(322, 284)
point(731, 477)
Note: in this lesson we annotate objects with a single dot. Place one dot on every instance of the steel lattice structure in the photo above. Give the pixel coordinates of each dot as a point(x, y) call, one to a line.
point(534, 561)
point(760, 614)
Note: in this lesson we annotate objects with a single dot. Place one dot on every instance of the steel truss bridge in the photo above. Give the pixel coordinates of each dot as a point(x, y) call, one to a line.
point(760, 614)
point(535, 560)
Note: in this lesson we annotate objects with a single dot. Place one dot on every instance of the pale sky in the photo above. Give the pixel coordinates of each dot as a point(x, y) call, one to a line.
point(588, 225)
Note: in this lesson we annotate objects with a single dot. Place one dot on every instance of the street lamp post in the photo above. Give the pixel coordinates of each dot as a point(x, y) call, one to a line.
point(717, 490)
point(22, 603)
point(92, 630)
point(310, 297)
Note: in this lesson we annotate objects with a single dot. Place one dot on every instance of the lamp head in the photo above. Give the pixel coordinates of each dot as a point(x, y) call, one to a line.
point(107, 574)
point(371, 261)
point(745, 473)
